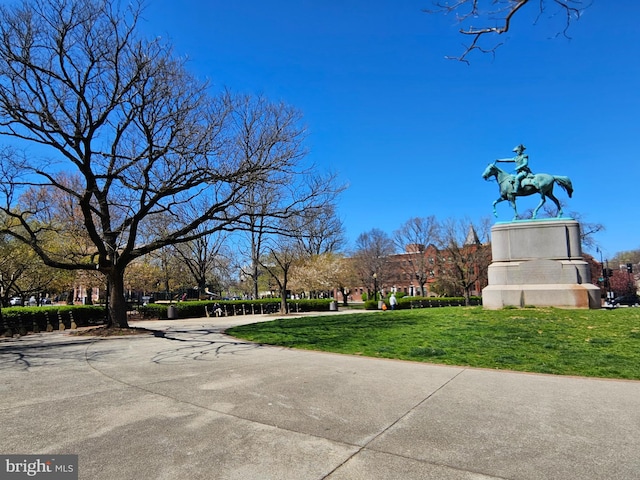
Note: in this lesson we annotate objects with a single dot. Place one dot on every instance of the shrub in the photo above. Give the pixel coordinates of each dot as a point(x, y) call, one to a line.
point(41, 319)
point(428, 302)
point(370, 305)
point(153, 310)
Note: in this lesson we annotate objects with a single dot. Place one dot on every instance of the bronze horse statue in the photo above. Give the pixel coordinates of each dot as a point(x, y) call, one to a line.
point(541, 183)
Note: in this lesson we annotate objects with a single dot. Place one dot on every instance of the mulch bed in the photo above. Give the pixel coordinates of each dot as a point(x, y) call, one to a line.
point(110, 332)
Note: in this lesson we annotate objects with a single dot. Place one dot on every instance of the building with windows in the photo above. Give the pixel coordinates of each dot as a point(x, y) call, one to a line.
point(425, 270)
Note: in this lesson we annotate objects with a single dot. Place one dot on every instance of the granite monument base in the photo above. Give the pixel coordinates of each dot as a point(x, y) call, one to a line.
point(539, 263)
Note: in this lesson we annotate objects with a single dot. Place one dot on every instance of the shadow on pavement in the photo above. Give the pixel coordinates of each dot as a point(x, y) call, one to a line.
point(39, 352)
point(199, 344)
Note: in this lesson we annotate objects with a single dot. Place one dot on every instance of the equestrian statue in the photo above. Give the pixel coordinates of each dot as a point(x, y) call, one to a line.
point(525, 183)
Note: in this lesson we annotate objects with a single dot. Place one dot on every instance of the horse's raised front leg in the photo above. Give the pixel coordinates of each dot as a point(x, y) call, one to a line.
point(543, 199)
point(495, 213)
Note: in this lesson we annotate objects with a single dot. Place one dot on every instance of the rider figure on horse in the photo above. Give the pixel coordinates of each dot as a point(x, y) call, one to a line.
point(522, 166)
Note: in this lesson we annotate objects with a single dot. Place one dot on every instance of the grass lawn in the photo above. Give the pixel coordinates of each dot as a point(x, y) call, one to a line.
point(595, 343)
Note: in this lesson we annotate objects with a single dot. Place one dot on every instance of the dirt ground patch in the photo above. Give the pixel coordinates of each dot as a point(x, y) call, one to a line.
point(103, 331)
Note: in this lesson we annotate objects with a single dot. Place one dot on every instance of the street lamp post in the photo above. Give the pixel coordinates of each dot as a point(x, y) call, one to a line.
point(375, 287)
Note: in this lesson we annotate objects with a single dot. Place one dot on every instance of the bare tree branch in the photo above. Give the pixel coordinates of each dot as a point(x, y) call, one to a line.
point(495, 17)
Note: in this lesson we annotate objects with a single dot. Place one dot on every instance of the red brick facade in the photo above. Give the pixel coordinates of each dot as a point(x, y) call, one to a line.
point(419, 268)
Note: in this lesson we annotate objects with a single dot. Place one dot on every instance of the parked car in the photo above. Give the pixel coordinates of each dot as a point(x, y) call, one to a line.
point(629, 300)
point(15, 301)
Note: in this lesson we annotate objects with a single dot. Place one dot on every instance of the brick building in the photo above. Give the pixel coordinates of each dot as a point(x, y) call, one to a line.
point(428, 271)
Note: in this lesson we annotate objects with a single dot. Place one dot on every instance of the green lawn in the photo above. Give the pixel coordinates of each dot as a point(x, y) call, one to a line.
point(596, 343)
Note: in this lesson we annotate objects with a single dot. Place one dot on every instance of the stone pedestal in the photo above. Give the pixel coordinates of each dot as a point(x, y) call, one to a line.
point(539, 263)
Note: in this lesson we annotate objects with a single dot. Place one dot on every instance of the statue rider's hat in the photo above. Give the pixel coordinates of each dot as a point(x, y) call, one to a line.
point(520, 148)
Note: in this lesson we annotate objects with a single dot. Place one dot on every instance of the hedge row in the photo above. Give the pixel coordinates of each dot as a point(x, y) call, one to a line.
point(20, 320)
point(194, 309)
point(428, 302)
point(425, 302)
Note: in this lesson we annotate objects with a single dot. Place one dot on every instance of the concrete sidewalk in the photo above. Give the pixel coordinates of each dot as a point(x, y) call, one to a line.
point(192, 403)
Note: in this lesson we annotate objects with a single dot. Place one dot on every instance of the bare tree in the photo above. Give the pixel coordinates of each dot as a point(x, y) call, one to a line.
point(283, 253)
point(371, 258)
point(203, 258)
point(143, 136)
point(321, 230)
point(288, 249)
point(465, 255)
point(414, 238)
point(263, 130)
point(481, 19)
point(257, 227)
point(588, 230)
point(319, 235)
point(266, 132)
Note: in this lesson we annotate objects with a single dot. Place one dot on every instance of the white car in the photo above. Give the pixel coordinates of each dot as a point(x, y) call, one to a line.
point(15, 301)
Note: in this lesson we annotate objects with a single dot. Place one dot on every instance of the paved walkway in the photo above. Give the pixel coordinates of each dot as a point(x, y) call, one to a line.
point(192, 403)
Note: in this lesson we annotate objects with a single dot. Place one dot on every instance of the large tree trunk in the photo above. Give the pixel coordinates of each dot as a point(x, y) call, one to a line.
point(467, 296)
point(254, 277)
point(117, 313)
point(284, 307)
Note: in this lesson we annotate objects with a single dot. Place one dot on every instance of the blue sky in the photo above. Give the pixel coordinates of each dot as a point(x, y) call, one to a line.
point(400, 123)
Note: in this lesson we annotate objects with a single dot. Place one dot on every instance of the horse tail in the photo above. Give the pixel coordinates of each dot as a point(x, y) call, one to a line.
point(565, 183)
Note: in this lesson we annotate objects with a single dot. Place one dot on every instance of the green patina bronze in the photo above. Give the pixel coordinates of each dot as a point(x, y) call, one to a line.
point(522, 165)
point(525, 183)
